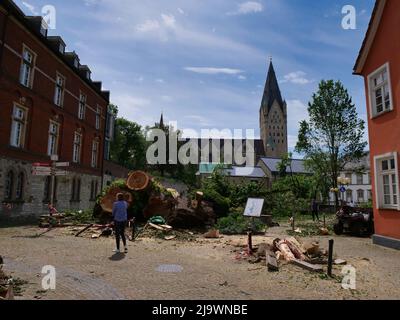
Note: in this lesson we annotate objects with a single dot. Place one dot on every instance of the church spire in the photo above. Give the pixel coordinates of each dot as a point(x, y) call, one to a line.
point(162, 120)
point(272, 92)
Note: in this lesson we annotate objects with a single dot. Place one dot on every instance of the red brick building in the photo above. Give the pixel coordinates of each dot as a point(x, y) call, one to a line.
point(379, 64)
point(49, 105)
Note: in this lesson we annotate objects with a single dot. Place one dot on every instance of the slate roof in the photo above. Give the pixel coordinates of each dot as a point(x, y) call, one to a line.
point(273, 165)
point(271, 90)
point(247, 172)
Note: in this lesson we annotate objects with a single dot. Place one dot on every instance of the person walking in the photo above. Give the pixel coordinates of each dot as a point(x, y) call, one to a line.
point(120, 217)
point(315, 210)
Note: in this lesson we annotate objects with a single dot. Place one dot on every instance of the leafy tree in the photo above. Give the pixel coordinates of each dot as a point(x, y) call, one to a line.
point(129, 146)
point(334, 134)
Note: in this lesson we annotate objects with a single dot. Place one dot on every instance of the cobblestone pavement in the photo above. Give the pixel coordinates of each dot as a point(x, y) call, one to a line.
point(206, 269)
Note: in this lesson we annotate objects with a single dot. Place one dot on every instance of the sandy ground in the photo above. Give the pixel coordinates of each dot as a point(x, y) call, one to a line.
point(204, 269)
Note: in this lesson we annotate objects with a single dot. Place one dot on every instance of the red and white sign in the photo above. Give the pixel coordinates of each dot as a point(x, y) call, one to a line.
point(38, 164)
point(62, 164)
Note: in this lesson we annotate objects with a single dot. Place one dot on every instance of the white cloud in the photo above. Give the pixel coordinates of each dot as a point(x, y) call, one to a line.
point(148, 25)
point(297, 77)
point(30, 7)
point(247, 8)
point(160, 81)
point(91, 2)
point(169, 20)
point(242, 77)
point(180, 10)
point(210, 70)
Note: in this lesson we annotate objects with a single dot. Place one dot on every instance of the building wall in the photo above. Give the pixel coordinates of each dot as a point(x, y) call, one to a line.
point(384, 130)
point(33, 202)
point(39, 103)
point(274, 130)
point(354, 187)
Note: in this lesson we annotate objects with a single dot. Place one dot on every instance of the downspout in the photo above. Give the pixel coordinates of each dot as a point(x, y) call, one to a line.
point(3, 38)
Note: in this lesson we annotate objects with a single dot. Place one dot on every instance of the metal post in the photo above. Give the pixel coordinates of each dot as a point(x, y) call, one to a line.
point(52, 185)
point(330, 258)
point(250, 242)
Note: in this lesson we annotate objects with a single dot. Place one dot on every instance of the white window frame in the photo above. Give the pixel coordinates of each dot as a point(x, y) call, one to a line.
point(19, 123)
point(82, 106)
point(77, 147)
point(52, 144)
point(95, 153)
point(379, 195)
point(59, 90)
point(98, 117)
point(28, 83)
point(371, 92)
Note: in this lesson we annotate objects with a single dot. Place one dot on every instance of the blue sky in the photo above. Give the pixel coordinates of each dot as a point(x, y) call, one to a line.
point(204, 62)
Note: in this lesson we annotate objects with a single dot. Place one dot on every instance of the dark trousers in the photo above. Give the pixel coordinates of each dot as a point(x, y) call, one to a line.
point(120, 233)
point(315, 214)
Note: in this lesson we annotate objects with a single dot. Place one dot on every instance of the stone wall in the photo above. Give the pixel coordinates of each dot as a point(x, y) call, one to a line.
point(33, 202)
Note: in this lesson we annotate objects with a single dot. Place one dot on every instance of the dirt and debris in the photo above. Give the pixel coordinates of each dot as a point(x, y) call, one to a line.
point(9, 287)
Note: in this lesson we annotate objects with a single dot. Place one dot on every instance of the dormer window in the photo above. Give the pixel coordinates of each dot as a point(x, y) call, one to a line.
point(76, 63)
point(88, 74)
point(43, 28)
point(61, 48)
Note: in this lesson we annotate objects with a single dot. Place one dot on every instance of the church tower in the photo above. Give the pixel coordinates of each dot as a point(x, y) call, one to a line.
point(273, 118)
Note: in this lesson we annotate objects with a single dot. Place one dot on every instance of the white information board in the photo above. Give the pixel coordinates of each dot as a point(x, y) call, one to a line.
point(254, 207)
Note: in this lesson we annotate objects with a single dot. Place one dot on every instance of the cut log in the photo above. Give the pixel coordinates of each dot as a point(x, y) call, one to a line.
point(138, 181)
point(212, 234)
point(295, 250)
point(83, 230)
point(308, 266)
point(156, 227)
point(340, 262)
point(108, 200)
point(272, 263)
point(285, 250)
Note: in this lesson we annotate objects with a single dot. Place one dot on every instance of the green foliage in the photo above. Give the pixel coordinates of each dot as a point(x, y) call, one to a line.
point(236, 223)
point(120, 183)
point(80, 216)
point(334, 135)
point(221, 204)
point(129, 146)
point(367, 205)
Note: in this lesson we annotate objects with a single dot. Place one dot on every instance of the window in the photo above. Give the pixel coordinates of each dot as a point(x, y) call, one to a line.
point(350, 177)
point(76, 189)
point(9, 185)
point(76, 63)
point(360, 196)
point(98, 118)
point(76, 157)
point(387, 181)
point(360, 179)
point(61, 48)
point(59, 93)
point(82, 107)
point(369, 195)
point(18, 127)
point(43, 28)
point(52, 146)
point(26, 72)
point(47, 189)
point(369, 179)
point(107, 149)
point(94, 190)
point(95, 153)
point(19, 192)
point(349, 196)
point(380, 91)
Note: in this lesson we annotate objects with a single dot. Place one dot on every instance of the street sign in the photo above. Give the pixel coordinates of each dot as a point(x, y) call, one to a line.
point(39, 164)
point(41, 173)
point(54, 157)
point(61, 173)
point(254, 207)
point(342, 189)
point(62, 164)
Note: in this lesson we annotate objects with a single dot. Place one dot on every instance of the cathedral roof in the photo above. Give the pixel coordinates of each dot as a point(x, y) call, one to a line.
point(272, 92)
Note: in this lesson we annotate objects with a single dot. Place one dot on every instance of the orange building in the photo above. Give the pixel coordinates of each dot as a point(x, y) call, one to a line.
point(379, 64)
